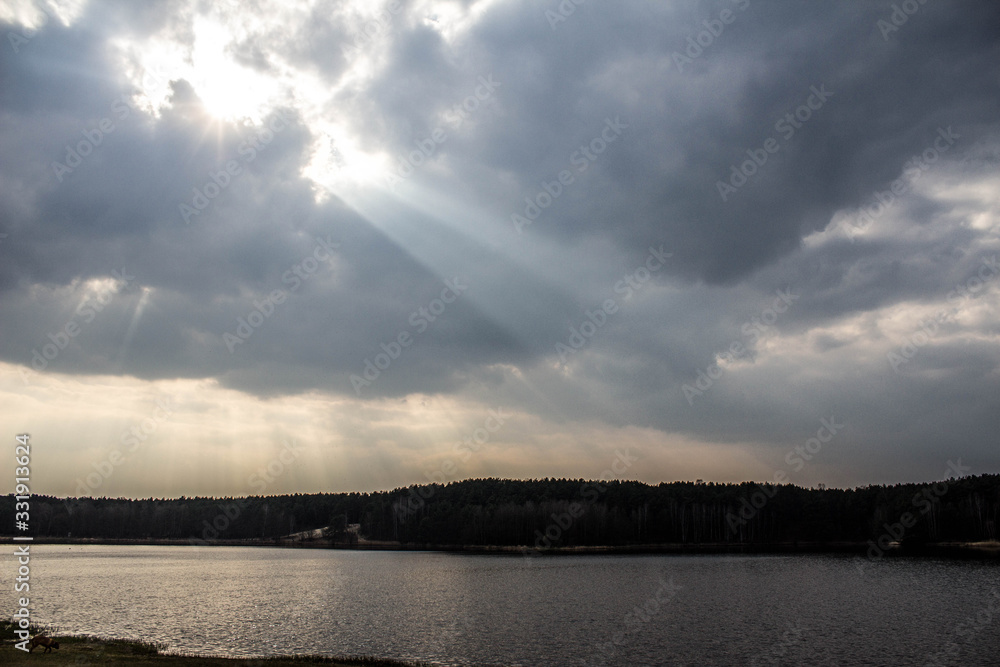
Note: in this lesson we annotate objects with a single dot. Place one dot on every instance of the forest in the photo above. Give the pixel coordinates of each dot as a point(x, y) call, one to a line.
point(547, 513)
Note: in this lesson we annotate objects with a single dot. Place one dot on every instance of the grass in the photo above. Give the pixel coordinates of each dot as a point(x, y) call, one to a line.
point(83, 651)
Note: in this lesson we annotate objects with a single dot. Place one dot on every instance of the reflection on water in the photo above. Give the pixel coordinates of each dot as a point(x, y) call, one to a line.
point(465, 610)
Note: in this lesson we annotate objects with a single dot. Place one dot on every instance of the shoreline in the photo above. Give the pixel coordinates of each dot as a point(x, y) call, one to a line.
point(87, 649)
point(79, 650)
point(962, 550)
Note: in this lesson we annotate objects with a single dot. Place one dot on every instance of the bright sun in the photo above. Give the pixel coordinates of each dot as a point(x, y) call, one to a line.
point(234, 92)
point(227, 90)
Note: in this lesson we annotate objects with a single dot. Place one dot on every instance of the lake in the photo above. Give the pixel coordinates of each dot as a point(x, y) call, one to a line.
point(453, 609)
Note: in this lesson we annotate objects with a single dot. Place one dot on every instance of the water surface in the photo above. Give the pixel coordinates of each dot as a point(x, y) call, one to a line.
point(474, 610)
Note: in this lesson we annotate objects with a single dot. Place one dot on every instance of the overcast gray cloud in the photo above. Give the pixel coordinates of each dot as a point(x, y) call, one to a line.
point(712, 221)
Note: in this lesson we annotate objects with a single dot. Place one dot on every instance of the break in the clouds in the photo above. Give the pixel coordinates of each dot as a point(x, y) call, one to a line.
point(734, 236)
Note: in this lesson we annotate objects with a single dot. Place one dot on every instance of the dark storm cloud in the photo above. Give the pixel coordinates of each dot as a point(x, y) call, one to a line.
point(873, 99)
point(688, 128)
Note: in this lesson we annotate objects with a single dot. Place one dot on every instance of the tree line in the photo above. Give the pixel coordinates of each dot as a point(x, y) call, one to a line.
point(547, 513)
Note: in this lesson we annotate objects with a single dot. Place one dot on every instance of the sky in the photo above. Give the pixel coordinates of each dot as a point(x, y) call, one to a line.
point(279, 247)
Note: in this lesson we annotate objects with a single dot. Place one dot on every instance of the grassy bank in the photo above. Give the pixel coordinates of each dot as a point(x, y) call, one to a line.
point(83, 651)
